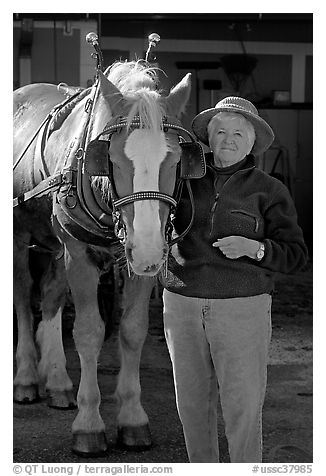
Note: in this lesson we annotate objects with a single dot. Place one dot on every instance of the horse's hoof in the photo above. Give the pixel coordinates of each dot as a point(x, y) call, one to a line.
point(62, 400)
point(135, 438)
point(26, 394)
point(89, 444)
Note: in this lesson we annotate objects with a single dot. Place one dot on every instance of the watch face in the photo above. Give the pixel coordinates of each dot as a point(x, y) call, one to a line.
point(260, 254)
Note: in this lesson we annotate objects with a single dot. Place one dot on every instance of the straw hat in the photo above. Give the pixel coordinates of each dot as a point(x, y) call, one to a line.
point(264, 133)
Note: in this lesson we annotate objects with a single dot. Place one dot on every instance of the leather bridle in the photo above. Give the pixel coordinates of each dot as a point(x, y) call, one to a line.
point(115, 126)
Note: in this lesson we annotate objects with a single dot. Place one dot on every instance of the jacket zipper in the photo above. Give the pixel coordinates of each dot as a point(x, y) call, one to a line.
point(212, 211)
point(217, 196)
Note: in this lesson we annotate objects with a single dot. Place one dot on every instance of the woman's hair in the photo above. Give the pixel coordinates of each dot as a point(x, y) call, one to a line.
point(248, 127)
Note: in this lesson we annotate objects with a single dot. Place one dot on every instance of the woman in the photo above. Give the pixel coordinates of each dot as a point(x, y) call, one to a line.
point(217, 296)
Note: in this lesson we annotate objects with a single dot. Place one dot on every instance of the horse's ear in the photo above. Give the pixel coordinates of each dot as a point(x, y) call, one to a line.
point(177, 99)
point(111, 94)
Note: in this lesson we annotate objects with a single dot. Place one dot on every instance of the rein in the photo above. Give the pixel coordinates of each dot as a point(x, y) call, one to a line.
point(186, 231)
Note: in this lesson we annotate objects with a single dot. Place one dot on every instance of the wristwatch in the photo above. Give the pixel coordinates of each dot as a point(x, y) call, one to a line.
point(261, 252)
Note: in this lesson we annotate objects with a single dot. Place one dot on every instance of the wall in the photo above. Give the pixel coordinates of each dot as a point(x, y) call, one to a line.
point(56, 55)
point(293, 137)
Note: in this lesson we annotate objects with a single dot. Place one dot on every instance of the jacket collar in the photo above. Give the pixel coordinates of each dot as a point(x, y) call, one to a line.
point(247, 163)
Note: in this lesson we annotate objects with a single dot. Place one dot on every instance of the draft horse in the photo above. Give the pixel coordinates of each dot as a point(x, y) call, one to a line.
point(103, 160)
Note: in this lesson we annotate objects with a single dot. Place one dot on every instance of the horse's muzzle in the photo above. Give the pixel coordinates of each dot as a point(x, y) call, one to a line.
point(146, 265)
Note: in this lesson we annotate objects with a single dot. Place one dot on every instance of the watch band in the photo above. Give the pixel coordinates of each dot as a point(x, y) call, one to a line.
point(260, 252)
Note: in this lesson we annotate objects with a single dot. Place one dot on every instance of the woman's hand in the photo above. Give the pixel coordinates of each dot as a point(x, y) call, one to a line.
point(234, 247)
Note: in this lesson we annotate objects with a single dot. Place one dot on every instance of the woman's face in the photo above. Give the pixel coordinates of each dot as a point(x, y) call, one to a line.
point(231, 137)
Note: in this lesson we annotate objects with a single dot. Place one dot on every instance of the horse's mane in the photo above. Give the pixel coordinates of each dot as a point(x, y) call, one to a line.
point(138, 83)
point(129, 76)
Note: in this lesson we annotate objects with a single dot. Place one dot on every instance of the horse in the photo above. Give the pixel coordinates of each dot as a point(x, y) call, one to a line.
point(100, 164)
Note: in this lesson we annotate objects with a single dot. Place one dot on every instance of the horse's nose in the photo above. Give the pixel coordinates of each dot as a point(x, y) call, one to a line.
point(150, 269)
point(129, 256)
point(154, 268)
point(145, 261)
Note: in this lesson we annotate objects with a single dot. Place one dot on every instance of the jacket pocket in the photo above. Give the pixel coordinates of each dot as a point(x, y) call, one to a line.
point(250, 216)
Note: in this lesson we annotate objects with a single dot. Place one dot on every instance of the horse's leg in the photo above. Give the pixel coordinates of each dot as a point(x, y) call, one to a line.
point(52, 366)
point(133, 426)
point(88, 428)
point(26, 380)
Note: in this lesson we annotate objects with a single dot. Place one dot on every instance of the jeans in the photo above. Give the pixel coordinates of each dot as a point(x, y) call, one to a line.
point(219, 347)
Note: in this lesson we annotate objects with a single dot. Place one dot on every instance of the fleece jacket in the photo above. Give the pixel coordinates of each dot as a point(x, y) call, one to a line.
point(248, 203)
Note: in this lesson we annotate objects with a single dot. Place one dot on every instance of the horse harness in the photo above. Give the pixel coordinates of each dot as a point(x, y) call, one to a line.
point(75, 193)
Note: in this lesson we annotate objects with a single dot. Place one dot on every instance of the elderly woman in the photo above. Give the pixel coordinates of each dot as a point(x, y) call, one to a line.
point(217, 296)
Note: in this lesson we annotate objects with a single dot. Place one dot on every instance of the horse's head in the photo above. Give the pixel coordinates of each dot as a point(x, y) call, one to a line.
point(144, 156)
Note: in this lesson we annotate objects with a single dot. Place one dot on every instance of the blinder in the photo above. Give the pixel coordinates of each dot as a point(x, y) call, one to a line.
point(192, 161)
point(97, 158)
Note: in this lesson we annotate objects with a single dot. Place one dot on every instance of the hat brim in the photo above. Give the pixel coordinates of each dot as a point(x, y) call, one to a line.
point(264, 133)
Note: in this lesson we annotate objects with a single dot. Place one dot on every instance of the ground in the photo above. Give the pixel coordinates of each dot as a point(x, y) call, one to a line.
point(42, 434)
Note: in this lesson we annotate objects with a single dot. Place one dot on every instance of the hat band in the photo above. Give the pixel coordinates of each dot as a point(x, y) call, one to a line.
point(237, 106)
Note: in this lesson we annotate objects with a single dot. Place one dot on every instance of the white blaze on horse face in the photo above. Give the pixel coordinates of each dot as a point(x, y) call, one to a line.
point(146, 150)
